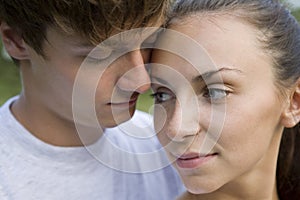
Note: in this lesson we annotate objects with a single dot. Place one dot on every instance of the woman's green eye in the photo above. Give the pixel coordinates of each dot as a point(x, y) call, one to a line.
point(215, 94)
point(161, 97)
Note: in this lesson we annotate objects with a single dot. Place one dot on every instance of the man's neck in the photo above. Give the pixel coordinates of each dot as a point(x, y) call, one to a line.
point(50, 128)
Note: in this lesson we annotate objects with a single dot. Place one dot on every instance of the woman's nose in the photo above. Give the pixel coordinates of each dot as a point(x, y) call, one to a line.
point(183, 121)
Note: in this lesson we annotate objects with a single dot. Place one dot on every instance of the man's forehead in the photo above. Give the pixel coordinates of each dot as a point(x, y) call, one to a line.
point(130, 37)
point(124, 39)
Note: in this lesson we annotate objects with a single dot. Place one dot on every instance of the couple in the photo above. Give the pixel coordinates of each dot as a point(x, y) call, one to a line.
point(225, 79)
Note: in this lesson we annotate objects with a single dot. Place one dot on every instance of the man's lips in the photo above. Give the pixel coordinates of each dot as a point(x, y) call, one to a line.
point(129, 103)
point(193, 160)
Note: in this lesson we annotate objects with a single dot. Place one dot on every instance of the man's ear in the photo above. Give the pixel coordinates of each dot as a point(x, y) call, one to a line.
point(13, 42)
point(291, 114)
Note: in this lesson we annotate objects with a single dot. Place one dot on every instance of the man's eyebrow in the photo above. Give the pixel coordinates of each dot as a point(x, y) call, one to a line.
point(209, 74)
point(82, 49)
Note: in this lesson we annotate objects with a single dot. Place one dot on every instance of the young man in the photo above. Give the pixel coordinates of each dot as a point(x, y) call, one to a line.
point(50, 144)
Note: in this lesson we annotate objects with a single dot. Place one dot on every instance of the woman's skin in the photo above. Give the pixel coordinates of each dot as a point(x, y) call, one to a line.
point(242, 89)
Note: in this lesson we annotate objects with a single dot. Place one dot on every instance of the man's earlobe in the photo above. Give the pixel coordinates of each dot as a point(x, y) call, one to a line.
point(13, 42)
point(291, 114)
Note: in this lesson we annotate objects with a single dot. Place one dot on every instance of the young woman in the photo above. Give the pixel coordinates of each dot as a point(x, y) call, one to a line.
point(228, 113)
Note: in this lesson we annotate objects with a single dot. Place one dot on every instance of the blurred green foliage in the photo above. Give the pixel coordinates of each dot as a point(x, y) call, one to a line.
point(10, 81)
point(296, 13)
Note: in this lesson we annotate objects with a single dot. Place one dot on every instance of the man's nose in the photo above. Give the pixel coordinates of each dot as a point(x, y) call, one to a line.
point(135, 77)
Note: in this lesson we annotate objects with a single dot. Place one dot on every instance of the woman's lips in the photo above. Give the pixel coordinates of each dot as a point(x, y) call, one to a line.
point(193, 160)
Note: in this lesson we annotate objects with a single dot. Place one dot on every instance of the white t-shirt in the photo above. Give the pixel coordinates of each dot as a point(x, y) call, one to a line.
point(120, 165)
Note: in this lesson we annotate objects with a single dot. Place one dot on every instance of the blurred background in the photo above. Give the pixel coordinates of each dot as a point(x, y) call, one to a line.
point(10, 80)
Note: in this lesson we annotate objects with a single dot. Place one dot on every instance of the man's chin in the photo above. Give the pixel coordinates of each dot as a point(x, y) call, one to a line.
point(116, 119)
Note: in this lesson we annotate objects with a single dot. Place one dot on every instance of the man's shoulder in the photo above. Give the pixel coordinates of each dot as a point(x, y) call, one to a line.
point(6, 117)
point(135, 144)
point(140, 127)
point(10, 130)
point(142, 118)
point(5, 107)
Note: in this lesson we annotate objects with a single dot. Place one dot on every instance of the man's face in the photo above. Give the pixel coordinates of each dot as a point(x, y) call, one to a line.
point(115, 73)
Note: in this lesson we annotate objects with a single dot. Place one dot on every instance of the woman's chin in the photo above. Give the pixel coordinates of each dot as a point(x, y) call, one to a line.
point(198, 189)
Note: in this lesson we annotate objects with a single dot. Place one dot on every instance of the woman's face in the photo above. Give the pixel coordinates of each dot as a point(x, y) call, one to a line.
point(218, 118)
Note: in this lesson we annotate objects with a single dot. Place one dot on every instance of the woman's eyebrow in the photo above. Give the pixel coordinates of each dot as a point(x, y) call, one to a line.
point(201, 77)
point(209, 74)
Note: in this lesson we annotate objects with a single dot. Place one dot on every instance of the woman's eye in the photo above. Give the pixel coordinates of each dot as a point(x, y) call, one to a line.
point(215, 93)
point(161, 97)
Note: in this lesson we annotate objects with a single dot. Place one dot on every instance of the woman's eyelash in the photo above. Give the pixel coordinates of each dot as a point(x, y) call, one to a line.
point(215, 93)
point(209, 93)
point(161, 97)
